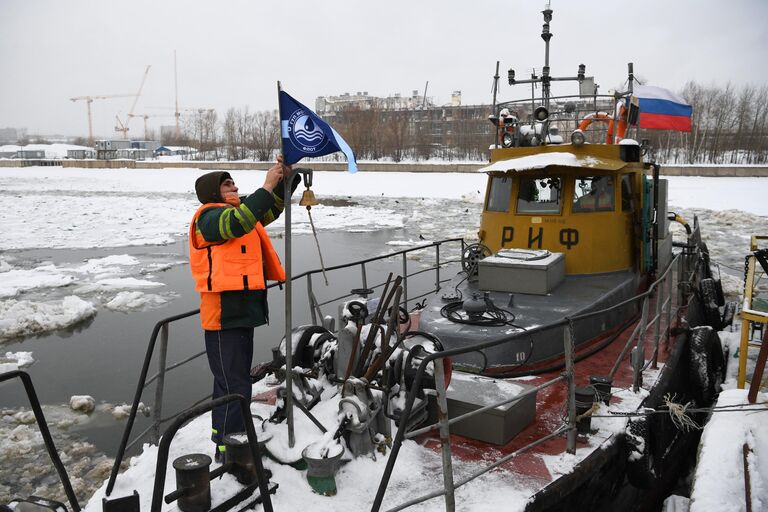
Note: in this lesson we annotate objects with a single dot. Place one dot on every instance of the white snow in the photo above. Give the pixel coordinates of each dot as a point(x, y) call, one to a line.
point(15, 361)
point(540, 161)
point(22, 317)
point(744, 194)
point(29, 306)
point(82, 403)
point(129, 301)
point(718, 482)
point(82, 208)
point(129, 207)
point(56, 150)
point(16, 280)
point(107, 264)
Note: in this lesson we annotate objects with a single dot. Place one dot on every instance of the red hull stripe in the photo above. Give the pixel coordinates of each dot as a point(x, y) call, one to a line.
point(665, 122)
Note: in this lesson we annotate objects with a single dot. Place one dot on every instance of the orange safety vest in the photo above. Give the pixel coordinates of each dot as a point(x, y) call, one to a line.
point(236, 264)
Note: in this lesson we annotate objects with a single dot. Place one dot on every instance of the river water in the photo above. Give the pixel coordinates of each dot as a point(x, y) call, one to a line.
point(102, 357)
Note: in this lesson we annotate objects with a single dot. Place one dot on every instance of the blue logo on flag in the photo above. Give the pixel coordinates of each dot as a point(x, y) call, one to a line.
point(304, 133)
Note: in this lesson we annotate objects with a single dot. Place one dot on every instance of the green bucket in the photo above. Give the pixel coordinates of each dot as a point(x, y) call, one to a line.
point(321, 472)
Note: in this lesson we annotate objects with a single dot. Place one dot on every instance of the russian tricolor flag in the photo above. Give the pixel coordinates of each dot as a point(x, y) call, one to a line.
point(661, 109)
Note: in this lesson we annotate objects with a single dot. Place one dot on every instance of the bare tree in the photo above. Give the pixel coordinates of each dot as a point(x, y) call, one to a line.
point(265, 134)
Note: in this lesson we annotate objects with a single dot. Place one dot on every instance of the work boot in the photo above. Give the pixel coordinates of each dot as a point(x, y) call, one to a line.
point(218, 455)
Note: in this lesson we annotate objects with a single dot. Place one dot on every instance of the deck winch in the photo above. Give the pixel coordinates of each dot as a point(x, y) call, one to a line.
point(368, 366)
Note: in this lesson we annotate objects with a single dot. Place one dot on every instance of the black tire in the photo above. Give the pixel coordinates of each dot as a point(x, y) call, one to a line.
point(709, 302)
point(507, 141)
point(702, 366)
point(641, 470)
point(707, 270)
point(729, 311)
point(719, 292)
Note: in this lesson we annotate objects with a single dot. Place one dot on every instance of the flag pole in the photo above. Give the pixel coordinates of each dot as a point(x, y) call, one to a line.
point(287, 180)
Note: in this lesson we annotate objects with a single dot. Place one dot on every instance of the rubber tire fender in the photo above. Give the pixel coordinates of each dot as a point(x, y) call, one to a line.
point(705, 364)
point(708, 291)
point(729, 311)
point(641, 470)
point(719, 292)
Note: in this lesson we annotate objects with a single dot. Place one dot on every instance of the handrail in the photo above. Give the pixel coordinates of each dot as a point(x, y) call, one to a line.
point(45, 432)
point(409, 404)
point(480, 346)
point(165, 444)
point(137, 395)
point(163, 324)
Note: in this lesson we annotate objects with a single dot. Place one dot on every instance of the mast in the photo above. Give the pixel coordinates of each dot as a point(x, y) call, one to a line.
point(546, 35)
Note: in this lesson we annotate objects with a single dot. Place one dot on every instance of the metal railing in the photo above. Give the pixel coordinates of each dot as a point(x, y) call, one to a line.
point(161, 330)
point(663, 307)
point(568, 111)
point(45, 433)
point(662, 287)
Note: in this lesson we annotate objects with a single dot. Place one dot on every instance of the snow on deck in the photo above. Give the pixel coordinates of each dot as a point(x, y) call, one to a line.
point(418, 469)
point(719, 478)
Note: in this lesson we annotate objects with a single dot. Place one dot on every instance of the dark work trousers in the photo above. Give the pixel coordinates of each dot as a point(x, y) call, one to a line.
point(230, 352)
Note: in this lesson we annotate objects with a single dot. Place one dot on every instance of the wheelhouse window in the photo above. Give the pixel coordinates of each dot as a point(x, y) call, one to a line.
point(498, 198)
point(539, 195)
point(626, 193)
point(593, 194)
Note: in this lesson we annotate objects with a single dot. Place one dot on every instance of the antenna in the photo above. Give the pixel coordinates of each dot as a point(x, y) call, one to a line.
point(546, 78)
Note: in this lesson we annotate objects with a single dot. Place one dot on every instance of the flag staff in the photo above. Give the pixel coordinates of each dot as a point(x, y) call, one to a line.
point(287, 180)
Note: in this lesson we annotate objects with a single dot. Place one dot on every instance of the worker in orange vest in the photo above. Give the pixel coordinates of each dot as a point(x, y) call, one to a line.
point(232, 258)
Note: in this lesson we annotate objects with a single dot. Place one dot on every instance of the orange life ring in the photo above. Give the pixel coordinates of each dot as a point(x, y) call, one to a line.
point(606, 118)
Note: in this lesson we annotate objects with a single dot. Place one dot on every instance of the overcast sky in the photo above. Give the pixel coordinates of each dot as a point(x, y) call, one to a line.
point(231, 53)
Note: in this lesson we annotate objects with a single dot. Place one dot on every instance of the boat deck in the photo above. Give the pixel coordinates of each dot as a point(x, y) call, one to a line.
point(576, 294)
point(541, 465)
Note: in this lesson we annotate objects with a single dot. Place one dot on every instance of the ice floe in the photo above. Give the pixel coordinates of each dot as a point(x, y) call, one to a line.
point(15, 360)
point(22, 317)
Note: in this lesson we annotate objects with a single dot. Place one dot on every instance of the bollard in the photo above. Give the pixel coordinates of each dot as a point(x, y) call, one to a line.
point(238, 453)
point(602, 386)
point(193, 483)
point(585, 397)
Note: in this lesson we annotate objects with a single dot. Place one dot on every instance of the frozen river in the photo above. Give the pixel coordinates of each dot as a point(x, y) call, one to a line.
point(92, 259)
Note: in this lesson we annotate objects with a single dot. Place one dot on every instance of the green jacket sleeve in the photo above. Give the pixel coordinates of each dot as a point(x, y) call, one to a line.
point(217, 224)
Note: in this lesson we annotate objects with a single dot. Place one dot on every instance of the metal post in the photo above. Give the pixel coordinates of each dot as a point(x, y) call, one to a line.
point(405, 282)
point(749, 280)
point(741, 379)
point(657, 326)
point(287, 180)
point(311, 300)
point(670, 281)
point(445, 435)
point(365, 277)
point(437, 261)
point(571, 379)
point(157, 410)
point(638, 361)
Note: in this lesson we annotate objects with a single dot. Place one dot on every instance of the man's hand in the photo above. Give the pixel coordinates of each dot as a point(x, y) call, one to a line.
point(275, 174)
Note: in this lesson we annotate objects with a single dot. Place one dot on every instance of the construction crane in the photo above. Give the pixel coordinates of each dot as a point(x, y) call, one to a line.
point(145, 117)
point(88, 100)
point(123, 127)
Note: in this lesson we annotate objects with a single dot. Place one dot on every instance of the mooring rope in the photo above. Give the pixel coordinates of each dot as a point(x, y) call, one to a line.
point(678, 414)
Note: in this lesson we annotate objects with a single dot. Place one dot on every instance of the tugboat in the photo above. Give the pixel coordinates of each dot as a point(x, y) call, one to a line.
point(542, 376)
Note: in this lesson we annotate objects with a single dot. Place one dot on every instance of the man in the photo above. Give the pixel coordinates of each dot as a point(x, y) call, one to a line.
point(232, 258)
